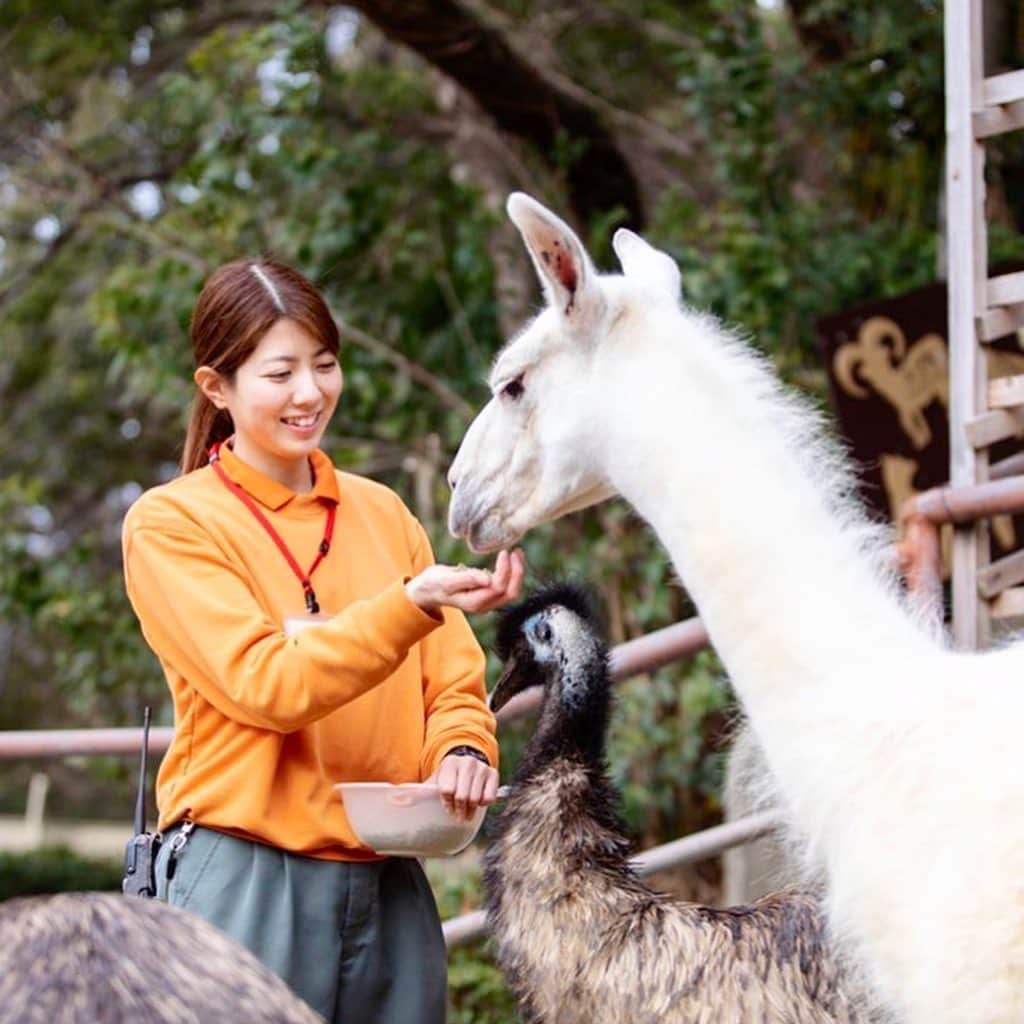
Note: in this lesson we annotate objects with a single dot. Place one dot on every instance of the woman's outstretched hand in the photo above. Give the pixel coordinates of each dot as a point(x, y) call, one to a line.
point(469, 590)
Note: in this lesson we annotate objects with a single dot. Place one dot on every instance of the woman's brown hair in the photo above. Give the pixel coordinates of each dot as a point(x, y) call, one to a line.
point(239, 303)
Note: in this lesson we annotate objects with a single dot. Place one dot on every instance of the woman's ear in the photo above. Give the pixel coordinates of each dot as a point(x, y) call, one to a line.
point(211, 383)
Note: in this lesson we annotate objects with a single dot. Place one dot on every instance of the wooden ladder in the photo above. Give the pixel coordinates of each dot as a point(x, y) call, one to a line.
point(980, 310)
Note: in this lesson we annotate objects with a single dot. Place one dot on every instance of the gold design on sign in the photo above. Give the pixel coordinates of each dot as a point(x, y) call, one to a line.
point(1003, 531)
point(909, 377)
point(908, 380)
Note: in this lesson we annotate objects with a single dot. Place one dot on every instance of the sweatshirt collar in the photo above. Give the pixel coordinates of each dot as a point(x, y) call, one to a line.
point(273, 494)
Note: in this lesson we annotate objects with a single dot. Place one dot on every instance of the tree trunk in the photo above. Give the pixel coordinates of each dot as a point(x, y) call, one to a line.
point(521, 101)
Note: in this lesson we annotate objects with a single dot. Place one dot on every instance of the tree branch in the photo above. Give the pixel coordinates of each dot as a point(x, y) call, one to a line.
point(121, 220)
point(518, 97)
point(826, 40)
point(418, 373)
point(103, 193)
point(30, 273)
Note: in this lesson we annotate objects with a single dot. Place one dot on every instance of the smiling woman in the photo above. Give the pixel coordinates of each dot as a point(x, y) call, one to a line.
point(308, 640)
point(280, 401)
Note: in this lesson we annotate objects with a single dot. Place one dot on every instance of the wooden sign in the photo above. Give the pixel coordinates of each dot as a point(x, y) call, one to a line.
point(888, 372)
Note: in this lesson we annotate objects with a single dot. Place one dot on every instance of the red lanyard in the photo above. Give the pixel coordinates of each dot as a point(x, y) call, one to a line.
point(325, 545)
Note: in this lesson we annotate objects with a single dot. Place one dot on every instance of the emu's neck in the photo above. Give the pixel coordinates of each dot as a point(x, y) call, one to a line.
point(559, 859)
point(704, 447)
point(561, 788)
point(573, 732)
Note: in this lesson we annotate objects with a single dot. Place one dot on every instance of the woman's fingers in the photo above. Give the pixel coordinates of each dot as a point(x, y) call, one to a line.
point(517, 571)
point(505, 584)
point(490, 787)
point(478, 786)
point(458, 580)
point(499, 577)
point(466, 784)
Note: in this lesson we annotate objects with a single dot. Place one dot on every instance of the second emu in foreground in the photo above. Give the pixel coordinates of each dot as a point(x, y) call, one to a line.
point(104, 958)
point(576, 933)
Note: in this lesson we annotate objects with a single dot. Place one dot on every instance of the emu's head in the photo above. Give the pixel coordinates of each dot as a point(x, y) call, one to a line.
point(534, 452)
point(555, 638)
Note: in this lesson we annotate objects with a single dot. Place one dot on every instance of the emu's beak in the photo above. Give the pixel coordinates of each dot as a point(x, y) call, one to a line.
point(514, 679)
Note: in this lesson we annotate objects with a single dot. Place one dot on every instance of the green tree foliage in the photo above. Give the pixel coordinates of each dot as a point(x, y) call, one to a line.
point(55, 869)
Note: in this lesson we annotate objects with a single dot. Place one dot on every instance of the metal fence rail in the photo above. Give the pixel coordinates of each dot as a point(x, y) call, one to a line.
point(16, 745)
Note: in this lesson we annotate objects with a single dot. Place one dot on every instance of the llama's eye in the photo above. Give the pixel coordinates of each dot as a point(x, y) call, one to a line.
point(514, 388)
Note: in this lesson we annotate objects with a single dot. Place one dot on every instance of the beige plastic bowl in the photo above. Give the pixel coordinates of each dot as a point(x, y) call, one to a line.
point(406, 820)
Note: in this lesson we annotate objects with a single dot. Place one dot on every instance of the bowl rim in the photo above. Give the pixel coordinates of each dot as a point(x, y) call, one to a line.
point(504, 792)
point(417, 786)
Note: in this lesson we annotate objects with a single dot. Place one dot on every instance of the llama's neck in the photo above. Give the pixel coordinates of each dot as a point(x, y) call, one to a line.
point(705, 448)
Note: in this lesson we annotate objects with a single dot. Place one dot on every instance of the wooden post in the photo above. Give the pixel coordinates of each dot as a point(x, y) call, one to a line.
point(967, 269)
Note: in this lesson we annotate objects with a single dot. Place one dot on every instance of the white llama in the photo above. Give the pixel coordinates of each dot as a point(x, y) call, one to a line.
point(898, 762)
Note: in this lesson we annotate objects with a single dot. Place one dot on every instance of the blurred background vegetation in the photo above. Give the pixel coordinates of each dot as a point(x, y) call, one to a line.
point(787, 152)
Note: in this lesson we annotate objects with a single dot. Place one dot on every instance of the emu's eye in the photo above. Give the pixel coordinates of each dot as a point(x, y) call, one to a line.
point(514, 388)
point(542, 631)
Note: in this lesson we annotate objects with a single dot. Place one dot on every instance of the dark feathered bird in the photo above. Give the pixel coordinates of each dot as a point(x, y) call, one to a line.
point(578, 936)
point(100, 958)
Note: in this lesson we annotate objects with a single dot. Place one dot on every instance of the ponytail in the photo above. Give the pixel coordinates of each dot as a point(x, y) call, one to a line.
point(206, 426)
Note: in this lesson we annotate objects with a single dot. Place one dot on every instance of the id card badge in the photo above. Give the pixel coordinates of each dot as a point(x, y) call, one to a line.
point(297, 623)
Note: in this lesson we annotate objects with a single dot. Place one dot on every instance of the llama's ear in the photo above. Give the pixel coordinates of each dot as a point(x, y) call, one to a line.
point(562, 264)
point(642, 262)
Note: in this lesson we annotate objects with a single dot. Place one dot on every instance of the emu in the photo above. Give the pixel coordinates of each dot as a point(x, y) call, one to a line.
point(577, 934)
point(896, 759)
point(100, 958)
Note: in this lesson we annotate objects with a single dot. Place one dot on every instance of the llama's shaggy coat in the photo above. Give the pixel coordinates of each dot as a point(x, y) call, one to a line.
point(579, 937)
point(100, 958)
point(897, 760)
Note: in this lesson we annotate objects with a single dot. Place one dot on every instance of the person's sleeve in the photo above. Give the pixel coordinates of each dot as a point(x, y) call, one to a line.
point(199, 615)
point(454, 694)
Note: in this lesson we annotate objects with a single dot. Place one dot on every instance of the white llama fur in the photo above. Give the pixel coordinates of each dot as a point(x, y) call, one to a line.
point(897, 760)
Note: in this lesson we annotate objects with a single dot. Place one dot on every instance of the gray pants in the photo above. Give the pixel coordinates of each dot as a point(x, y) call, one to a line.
point(361, 943)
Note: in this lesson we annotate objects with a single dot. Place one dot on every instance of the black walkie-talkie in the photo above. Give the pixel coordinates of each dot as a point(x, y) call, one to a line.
point(141, 850)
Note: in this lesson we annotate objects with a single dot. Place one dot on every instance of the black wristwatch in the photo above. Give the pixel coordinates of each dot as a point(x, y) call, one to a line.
point(465, 751)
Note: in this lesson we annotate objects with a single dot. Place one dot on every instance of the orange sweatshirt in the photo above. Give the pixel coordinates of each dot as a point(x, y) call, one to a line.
point(265, 725)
